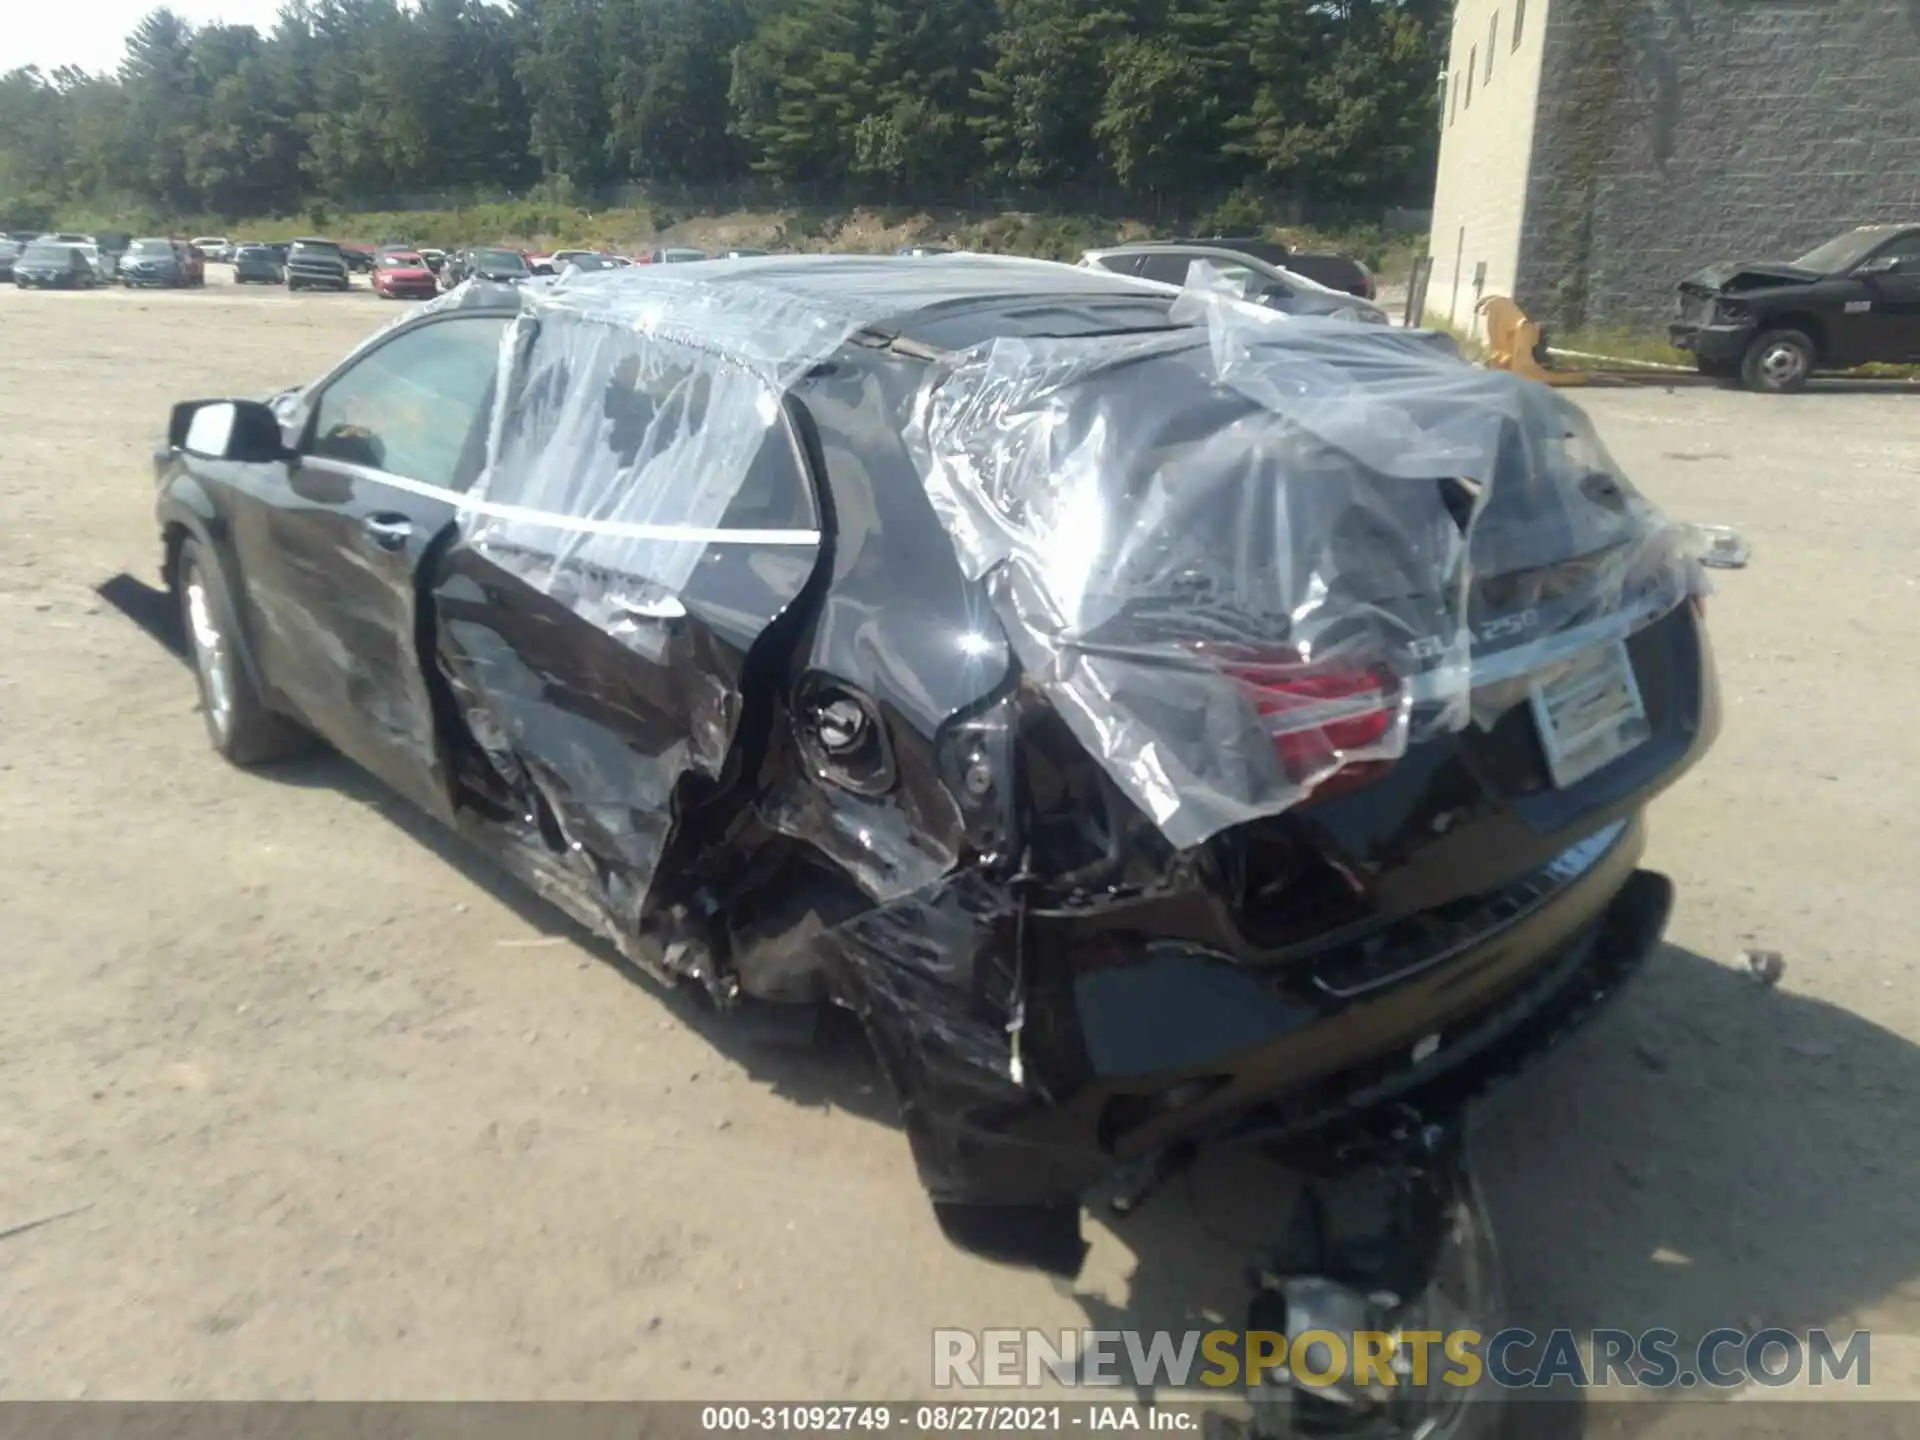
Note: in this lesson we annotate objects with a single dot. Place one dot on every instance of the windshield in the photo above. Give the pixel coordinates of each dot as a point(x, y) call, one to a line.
point(1843, 252)
point(153, 248)
point(401, 258)
point(500, 259)
point(40, 254)
point(316, 247)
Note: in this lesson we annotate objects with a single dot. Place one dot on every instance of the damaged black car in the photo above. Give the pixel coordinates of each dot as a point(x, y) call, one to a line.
point(1162, 722)
point(1773, 324)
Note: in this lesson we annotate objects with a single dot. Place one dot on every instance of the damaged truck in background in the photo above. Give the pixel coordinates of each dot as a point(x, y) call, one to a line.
point(1774, 324)
point(1162, 722)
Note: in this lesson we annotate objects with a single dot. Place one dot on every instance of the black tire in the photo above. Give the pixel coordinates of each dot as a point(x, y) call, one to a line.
point(243, 730)
point(1778, 362)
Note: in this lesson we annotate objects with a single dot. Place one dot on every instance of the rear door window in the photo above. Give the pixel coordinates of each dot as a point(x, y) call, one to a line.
point(1169, 269)
point(655, 445)
point(1907, 248)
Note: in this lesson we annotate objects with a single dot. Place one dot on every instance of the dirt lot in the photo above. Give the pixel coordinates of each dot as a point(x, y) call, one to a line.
point(314, 1105)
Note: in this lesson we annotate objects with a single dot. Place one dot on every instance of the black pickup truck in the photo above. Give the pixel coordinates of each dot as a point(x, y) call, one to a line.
point(1852, 301)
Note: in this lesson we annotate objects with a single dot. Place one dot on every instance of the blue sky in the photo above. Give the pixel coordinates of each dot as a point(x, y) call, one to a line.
point(91, 33)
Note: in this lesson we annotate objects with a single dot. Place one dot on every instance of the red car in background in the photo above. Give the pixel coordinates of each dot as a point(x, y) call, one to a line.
point(400, 274)
point(193, 264)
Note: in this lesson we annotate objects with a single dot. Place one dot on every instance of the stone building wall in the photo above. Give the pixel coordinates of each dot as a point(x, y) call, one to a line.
point(1674, 133)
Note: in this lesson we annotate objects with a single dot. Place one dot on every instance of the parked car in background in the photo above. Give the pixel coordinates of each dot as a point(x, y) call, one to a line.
point(1254, 247)
point(217, 248)
point(66, 237)
point(102, 262)
point(46, 265)
point(153, 260)
point(1772, 323)
point(315, 264)
point(742, 252)
point(258, 265)
point(192, 261)
point(9, 252)
point(434, 258)
point(485, 263)
point(673, 255)
point(281, 249)
point(585, 263)
point(358, 257)
point(1258, 281)
point(403, 275)
point(1335, 271)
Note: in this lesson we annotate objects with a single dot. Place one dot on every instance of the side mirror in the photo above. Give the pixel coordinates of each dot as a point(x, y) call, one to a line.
point(239, 430)
point(1881, 265)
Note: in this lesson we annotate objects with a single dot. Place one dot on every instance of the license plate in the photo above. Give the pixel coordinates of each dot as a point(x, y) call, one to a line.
point(1589, 714)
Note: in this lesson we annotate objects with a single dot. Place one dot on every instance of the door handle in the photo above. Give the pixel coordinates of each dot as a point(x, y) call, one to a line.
point(388, 532)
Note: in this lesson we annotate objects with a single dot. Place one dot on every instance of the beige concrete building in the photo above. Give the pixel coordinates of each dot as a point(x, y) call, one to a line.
point(1595, 152)
point(1489, 108)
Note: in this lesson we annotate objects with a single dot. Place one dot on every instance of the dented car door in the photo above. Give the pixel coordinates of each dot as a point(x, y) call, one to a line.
point(647, 521)
point(386, 446)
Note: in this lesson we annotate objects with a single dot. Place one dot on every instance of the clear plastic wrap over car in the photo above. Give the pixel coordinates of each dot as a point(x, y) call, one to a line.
point(1190, 535)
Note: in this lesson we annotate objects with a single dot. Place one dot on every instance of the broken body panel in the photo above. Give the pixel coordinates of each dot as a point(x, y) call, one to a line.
point(1131, 706)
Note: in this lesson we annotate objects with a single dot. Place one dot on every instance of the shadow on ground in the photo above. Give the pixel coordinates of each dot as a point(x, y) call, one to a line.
point(1708, 1152)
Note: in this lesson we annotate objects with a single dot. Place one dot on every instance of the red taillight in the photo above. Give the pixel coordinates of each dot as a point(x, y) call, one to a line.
point(1317, 715)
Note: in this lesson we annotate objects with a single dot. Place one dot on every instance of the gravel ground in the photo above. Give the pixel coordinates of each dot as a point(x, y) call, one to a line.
point(314, 1105)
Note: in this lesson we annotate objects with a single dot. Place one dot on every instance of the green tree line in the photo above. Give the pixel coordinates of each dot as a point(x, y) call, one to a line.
point(348, 99)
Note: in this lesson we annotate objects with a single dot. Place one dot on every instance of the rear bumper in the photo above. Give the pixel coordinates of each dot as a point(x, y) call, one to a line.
point(1180, 1046)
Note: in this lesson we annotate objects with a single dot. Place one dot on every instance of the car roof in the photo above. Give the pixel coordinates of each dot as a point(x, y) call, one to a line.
point(900, 285)
point(939, 302)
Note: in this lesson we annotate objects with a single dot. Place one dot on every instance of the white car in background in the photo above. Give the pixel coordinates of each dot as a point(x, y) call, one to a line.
point(214, 247)
point(103, 265)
